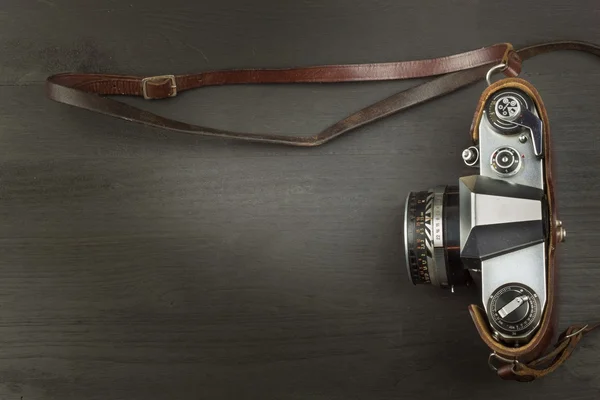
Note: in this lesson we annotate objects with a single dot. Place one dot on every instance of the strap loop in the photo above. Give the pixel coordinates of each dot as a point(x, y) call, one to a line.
point(570, 335)
point(163, 86)
point(499, 67)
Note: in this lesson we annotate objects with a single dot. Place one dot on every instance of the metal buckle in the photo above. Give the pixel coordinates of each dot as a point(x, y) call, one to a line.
point(495, 356)
point(156, 78)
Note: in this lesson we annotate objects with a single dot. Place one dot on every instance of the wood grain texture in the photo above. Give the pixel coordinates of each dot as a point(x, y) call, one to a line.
point(137, 264)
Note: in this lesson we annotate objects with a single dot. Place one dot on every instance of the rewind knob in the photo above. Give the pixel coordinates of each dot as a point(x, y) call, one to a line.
point(514, 310)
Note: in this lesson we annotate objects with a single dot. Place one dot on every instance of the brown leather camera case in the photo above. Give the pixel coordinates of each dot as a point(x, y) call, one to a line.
point(543, 337)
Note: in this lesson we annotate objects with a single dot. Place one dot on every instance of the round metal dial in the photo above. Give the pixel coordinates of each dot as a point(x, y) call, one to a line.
point(505, 106)
point(514, 310)
point(506, 161)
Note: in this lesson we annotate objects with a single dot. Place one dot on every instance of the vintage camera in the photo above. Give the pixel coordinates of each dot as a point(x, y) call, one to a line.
point(492, 228)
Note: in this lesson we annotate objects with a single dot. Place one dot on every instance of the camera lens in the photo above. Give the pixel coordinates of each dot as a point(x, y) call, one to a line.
point(432, 237)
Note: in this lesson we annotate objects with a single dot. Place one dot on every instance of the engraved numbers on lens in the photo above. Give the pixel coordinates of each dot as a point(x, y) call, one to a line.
point(416, 243)
point(431, 238)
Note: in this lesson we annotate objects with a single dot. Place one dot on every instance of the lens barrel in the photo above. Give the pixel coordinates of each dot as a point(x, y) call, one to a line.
point(432, 237)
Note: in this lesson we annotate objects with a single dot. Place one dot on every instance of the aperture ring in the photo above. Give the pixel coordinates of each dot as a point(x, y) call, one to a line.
point(437, 232)
point(425, 234)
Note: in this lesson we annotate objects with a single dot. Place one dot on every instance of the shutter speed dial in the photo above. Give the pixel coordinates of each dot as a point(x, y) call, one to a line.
point(514, 311)
point(506, 161)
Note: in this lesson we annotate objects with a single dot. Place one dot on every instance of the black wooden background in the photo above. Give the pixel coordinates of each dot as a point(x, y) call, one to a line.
point(141, 264)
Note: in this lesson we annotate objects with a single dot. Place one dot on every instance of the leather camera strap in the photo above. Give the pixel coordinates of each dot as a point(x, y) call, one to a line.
point(460, 70)
point(544, 365)
point(81, 90)
point(453, 72)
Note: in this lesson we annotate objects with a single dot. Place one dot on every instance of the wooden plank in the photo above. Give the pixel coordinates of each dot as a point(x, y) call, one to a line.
point(141, 264)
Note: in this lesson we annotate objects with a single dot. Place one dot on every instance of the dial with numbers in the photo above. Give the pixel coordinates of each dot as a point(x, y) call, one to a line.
point(514, 309)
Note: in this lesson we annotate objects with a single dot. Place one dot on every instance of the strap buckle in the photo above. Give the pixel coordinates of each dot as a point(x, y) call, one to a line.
point(171, 79)
point(495, 356)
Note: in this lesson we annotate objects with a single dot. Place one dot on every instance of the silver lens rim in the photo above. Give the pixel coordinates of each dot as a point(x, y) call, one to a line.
point(436, 264)
point(408, 271)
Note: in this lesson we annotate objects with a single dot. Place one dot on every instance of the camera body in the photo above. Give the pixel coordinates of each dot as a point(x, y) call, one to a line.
point(492, 228)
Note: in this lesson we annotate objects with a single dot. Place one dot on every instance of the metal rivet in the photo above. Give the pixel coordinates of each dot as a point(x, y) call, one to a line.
point(561, 233)
point(523, 138)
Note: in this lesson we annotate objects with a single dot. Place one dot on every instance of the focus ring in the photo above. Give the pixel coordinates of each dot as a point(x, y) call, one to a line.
point(414, 238)
point(432, 238)
point(424, 237)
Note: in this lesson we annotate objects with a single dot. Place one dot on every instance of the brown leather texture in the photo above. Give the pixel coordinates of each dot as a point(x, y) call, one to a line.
point(160, 88)
point(457, 71)
point(82, 90)
point(542, 339)
point(549, 362)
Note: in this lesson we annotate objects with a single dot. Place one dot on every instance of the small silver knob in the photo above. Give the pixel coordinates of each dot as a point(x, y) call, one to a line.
point(496, 336)
point(470, 156)
point(561, 232)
